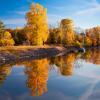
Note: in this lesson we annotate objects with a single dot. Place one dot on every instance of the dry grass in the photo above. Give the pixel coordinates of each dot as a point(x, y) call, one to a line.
point(7, 48)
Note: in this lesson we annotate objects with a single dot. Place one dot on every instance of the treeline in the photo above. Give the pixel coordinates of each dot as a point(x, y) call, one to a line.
point(38, 32)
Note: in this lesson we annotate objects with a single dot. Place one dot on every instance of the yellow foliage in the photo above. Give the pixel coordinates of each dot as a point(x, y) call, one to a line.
point(78, 44)
point(67, 30)
point(7, 40)
point(7, 35)
point(88, 41)
point(37, 24)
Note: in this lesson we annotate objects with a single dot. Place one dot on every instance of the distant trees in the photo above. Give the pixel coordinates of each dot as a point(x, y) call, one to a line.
point(94, 35)
point(37, 26)
point(64, 34)
point(80, 38)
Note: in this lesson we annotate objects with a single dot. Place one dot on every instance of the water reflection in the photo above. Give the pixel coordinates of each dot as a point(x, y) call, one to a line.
point(64, 63)
point(92, 56)
point(38, 71)
point(4, 72)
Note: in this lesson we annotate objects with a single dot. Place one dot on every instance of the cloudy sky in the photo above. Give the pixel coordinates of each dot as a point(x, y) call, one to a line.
point(85, 13)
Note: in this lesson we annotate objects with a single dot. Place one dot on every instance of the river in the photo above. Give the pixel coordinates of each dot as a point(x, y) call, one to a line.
point(73, 76)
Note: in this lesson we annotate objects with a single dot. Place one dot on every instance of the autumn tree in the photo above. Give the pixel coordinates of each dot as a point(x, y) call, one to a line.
point(94, 35)
point(37, 26)
point(67, 31)
point(55, 36)
point(6, 39)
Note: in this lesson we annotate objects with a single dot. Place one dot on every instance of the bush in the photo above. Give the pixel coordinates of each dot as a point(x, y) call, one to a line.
point(7, 40)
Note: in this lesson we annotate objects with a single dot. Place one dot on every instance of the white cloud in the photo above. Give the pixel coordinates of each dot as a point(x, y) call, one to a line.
point(89, 11)
point(93, 7)
point(15, 21)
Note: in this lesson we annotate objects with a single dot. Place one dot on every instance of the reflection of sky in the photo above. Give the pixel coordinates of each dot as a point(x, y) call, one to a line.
point(83, 85)
point(14, 84)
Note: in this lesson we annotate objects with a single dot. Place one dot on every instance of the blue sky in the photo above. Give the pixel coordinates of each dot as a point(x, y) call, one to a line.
point(85, 13)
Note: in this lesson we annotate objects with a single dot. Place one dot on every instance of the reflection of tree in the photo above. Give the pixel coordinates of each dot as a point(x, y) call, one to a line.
point(65, 63)
point(4, 72)
point(92, 55)
point(37, 72)
point(87, 55)
point(67, 68)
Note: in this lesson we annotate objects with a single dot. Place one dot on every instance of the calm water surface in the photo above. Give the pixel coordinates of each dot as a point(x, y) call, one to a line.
point(68, 77)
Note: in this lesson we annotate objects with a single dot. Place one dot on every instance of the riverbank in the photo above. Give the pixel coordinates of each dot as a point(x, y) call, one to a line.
point(19, 53)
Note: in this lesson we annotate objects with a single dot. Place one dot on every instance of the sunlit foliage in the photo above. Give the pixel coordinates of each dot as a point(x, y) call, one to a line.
point(37, 27)
point(94, 35)
point(6, 39)
point(67, 31)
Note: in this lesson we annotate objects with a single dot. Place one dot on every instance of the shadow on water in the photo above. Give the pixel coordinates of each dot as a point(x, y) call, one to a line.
point(35, 76)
